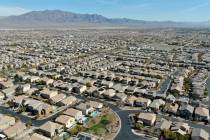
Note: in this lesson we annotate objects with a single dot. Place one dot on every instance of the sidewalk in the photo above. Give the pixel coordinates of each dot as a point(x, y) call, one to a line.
point(119, 124)
point(143, 135)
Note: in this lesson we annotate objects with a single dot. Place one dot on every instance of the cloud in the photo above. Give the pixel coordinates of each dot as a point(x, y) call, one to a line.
point(12, 10)
point(196, 7)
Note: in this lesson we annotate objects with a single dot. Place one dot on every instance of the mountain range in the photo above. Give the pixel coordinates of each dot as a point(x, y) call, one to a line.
point(60, 18)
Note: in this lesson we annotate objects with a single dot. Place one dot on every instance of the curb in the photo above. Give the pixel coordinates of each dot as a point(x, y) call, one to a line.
point(119, 125)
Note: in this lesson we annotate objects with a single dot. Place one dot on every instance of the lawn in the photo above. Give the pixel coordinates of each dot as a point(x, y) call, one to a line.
point(100, 128)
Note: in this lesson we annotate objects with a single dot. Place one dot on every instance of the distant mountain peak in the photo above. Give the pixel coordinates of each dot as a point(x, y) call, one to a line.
point(59, 17)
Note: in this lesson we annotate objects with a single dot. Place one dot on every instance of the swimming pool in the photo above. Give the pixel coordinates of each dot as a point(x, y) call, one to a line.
point(94, 114)
point(66, 134)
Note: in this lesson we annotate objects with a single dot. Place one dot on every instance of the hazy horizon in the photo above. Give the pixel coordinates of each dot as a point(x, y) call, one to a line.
point(149, 10)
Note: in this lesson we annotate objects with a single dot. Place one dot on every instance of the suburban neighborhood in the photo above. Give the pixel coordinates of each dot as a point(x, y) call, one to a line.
point(93, 85)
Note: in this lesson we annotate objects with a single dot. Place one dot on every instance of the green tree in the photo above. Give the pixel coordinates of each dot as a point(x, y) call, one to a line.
point(183, 137)
point(29, 123)
point(10, 103)
point(169, 134)
point(88, 84)
point(206, 92)
point(139, 126)
point(187, 84)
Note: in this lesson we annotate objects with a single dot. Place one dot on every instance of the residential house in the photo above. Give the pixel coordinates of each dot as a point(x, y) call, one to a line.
point(102, 75)
point(118, 78)
point(85, 108)
point(32, 91)
point(6, 121)
point(140, 92)
point(131, 100)
point(182, 100)
point(87, 81)
point(126, 80)
point(109, 93)
point(99, 93)
point(120, 97)
point(15, 130)
point(6, 84)
point(78, 88)
point(20, 76)
point(91, 90)
point(156, 104)
point(70, 100)
point(76, 114)
point(23, 78)
point(177, 86)
point(201, 114)
point(163, 124)
point(62, 85)
point(133, 82)
point(33, 79)
point(130, 89)
point(186, 111)
point(199, 134)
point(46, 81)
point(57, 83)
point(119, 88)
point(110, 76)
point(31, 104)
point(65, 120)
point(94, 75)
point(142, 102)
point(43, 109)
point(9, 92)
point(76, 79)
point(171, 108)
point(2, 79)
point(37, 107)
point(147, 118)
point(51, 129)
point(57, 98)
point(94, 104)
point(170, 98)
point(36, 136)
point(181, 128)
point(2, 96)
point(18, 100)
point(107, 84)
point(48, 94)
point(23, 88)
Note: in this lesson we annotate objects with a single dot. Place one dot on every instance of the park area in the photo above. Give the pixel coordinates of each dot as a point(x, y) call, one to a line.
point(105, 125)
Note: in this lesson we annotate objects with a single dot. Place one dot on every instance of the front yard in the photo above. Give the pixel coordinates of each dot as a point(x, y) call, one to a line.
point(105, 125)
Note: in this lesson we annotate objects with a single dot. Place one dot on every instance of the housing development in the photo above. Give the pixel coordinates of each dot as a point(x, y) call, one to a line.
point(104, 84)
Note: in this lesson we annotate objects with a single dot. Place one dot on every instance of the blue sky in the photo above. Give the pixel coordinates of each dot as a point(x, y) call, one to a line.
point(159, 10)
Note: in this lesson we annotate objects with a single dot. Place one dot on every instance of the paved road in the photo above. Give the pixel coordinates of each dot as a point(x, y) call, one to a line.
point(25, 119)
point(125, 132)
point(166, 84)
point(192, 124)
